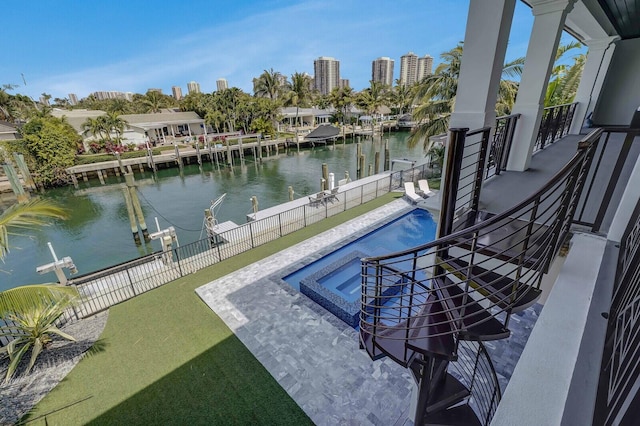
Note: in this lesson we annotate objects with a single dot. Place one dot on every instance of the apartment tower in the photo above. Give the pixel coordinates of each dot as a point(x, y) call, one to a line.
point(382, 70)
point(408, 69)
point(177, 92)
point(326, 74)
point(425, 67)
point(221, 84)
point(193, 87)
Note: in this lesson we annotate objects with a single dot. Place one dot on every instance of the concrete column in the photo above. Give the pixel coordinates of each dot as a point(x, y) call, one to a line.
point(485, 44)
point(550, 16)
point(593, 74)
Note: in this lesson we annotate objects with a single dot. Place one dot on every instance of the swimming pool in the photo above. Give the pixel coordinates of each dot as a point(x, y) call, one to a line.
point(334, 280)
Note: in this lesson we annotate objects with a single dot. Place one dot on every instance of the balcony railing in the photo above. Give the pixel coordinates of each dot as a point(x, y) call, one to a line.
point(483, 267)
point(501, 144)
point(555, 124)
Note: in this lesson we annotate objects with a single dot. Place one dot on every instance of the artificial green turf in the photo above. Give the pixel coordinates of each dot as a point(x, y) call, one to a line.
point(166, 358)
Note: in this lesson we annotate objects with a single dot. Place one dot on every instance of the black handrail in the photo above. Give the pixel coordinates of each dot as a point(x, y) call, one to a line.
point(577, 158)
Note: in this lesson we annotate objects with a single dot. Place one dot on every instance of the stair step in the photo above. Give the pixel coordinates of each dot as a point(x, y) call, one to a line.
point(477, 322)
point(431, 330)
point(389, 341)
point(498, 241)
point(366, 341)
point(461, 415)
point(494, 286)
point(448, 392)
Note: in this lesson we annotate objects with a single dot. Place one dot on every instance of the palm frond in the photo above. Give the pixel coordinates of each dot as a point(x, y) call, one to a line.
point(30, 296)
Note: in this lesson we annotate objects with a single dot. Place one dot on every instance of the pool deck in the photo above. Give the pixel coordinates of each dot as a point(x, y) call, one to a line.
point(313, 355)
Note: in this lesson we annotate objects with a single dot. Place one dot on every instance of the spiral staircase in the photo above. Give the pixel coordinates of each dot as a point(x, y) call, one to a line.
point(431, 308)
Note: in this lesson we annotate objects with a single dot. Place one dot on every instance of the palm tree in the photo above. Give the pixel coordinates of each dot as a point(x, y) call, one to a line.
point(114, 123)
point(300, 92)
point(153, 101)
point(436, 95)
point(564, 80)
point(21, 301)
point(94, 127)
point(400, 97)
point(373, 97)
point(341, 99)
point(269, 84)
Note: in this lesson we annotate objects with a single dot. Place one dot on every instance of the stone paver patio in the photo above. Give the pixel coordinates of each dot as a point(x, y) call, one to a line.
point(313, 355)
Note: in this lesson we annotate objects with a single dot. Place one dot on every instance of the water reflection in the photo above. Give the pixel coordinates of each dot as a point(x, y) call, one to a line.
point(97, 233)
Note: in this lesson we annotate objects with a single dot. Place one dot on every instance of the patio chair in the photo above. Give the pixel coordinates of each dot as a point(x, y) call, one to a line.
point(316, 199)
point(410, 192)
point(332, 195)
point(424, 190)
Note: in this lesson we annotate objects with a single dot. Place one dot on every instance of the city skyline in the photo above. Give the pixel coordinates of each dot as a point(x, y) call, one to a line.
point(83, 48)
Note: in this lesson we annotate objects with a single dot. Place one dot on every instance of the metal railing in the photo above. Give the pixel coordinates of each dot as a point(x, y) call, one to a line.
point(496, 262)
point(621, 358)
point(594, 208)
point(555, 123)
point(109, 286)
point(501, 144)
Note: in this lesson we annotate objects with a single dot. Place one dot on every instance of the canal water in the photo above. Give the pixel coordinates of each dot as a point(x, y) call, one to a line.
point(97, 232)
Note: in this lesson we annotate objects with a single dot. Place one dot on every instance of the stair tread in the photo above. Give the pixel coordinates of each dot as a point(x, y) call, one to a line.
point(498, 287)
point(499, 240)
point(461, 415)
point(389, 341)
point(477, 323)
point(431, 330)
point(448, 392)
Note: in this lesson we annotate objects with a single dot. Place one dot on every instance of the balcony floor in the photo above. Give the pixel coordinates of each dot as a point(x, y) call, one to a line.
point(547, 162)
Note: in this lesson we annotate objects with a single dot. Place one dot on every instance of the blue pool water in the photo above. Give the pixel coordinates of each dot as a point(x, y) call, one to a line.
point(334, 280)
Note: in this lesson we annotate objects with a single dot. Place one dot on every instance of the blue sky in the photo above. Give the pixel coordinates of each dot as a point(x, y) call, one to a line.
point(80, 47)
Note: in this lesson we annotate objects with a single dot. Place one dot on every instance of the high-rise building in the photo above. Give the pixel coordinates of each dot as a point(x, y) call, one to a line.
point(408, 69)
point(326, 74)
point(221, 84)
point(73, 99)
point(382, 70)
point(193, 87)
point(177, 92)
point(344, 83)
point(103, 95)
point(154, 89)
point(425, 67)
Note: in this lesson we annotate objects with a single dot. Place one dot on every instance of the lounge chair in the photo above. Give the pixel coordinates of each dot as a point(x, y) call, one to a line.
point(332, 195)
point(424, 190)
point(410, 192)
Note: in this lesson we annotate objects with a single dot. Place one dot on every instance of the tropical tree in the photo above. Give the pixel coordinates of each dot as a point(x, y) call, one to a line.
point(94, 127)
point(341, 99)
point(29, 312)
point(400, 97)
point(299, 94)
point(270, 84)
point(112, 122)
point(153, 101)
point(436, 95)
point(373, 97)
point(565, 78)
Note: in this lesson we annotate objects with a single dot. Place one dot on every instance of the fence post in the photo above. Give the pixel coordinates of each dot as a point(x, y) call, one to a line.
point(451, 180)
point(131, 282)
point(361, 194)
point(251, 233)
point(175, 250)
point(482, 159)
point(280, 222)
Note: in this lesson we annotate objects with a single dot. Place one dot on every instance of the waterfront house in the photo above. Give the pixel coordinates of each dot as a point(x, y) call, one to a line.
point(544, 185)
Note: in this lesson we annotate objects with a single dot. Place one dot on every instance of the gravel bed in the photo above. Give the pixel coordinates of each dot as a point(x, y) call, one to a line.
point(23, 392)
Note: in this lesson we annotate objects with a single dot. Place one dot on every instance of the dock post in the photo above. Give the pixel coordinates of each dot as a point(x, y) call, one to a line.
point(361, 167)
point(132, 215)
point(16, 186)
point(101, 177)
point(359, 170)
point(377, 162)
point(85, 177)
point(74, 180)
point(130, 181)
point(178, 158)
point(386, 155)
point(198, 152)
point(322, 184)
point(370, 169)
point(259, 149)
point(291, 193)
point(325, 174)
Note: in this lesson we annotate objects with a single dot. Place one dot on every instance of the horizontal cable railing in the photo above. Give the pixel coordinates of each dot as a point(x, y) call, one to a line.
point(497, 263)
point(555, 123)
point(107, 287)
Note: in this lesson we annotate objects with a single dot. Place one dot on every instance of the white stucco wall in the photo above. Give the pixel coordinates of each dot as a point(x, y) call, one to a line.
point(620, 95)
